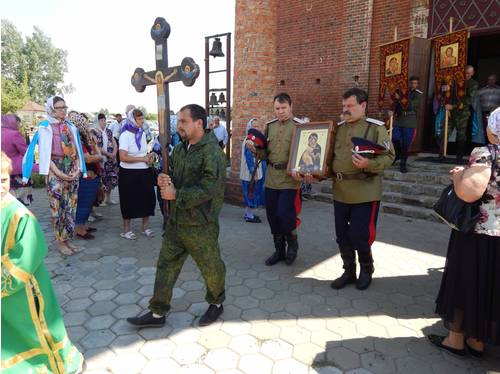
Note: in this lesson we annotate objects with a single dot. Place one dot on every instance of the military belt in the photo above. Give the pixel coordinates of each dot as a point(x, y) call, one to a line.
point(278, 166)
point(358, 176)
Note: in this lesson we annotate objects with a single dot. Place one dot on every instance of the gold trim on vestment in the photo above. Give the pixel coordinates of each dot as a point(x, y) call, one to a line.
point(16, 271)
point(38, 328)
point(26, 355)
point(45, 329)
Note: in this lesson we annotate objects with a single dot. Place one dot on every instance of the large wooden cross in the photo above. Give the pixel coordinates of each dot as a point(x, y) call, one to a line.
point(187, 72)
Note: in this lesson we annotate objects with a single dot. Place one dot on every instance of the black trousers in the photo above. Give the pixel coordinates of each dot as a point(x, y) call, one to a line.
point(282, 210)
point(356, 224)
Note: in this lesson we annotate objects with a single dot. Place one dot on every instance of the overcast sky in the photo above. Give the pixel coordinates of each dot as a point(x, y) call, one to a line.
point(107, 39)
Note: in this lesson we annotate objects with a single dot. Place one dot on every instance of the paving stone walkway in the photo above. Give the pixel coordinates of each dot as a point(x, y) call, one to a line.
point(284, 319)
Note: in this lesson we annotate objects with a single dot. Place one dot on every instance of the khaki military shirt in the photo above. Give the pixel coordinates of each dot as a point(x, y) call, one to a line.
point(279, 140)
point(365, 190)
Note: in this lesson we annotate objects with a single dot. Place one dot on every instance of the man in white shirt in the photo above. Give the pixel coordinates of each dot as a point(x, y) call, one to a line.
point(115, 126)
point(220, 132)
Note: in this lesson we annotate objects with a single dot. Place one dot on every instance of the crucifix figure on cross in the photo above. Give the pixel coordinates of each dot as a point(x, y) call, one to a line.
point(187, 72)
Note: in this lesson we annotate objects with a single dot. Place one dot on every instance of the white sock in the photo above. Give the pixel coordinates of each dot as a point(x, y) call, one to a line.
point(156, 315)
point(217, 305)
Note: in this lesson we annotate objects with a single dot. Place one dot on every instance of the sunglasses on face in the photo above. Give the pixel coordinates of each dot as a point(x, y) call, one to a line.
point(61, 108)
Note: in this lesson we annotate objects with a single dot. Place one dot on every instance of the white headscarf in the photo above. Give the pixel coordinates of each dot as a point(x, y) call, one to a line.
point(51, 112)
point(103, 133)
point(494, 122)
point(250, 124)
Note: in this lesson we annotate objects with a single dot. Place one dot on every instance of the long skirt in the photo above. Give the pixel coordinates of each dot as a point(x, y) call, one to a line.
point(137, 194)
point(63, 198)
point(87, 192)
point(469, 297)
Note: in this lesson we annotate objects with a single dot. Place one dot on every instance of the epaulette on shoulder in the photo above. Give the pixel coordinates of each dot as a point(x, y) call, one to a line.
point(340, 123)
point(298, 120)
point(271, 121)
point(420, 92)
point(374, 121)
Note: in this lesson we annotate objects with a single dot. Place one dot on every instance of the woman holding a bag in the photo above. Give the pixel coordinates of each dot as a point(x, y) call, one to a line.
point(469, 297)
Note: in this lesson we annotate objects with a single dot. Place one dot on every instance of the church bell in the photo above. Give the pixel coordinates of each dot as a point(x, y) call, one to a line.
point(216, 48)
point(222, 98)
point(213, 99)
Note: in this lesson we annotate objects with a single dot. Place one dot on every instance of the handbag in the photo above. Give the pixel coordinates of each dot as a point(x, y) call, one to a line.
point(455, 212)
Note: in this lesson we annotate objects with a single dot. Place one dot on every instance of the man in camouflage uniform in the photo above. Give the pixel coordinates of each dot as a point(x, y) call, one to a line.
point(405, 130)
point(282, 190)
point(460, 112)
point(195, 189)
point(357, 188)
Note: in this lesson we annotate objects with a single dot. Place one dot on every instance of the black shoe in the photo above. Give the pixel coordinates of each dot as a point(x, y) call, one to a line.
point(91, 229)
point(147, 320)
point(211, 315)
point(402, 166)
point(438, 342)
point(472, 351)
point(280, 249)
point(292, 247)
point(348, 277)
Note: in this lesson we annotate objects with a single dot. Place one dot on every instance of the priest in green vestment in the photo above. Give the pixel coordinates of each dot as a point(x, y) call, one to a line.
point(34, 339)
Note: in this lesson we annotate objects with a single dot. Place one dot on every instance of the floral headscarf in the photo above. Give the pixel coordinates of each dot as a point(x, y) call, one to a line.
point(250, 124)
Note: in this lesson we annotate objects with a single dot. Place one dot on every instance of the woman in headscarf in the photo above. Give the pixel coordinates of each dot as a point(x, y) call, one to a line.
point(252, 177)
point(87, 190)
point(61, 160)
point(108, 147)
point(135, 180)
point(14, 146)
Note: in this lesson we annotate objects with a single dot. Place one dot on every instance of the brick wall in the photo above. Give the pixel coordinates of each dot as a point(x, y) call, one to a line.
point(254, 76)
point(311, 49)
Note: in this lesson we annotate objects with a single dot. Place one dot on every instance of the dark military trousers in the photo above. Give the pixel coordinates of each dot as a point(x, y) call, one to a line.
point(282, 210)
point(402, 138)
point(201, 242)
point(356, 224)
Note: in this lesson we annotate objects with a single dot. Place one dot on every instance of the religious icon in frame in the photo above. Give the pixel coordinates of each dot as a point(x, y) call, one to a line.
point(449, 56)
point(311, 149)
point(393, 64)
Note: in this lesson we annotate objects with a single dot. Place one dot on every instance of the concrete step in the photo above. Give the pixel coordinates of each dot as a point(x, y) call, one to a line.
point(411, 188)
point(421, 177)
point(408, 199)
point(410, 211)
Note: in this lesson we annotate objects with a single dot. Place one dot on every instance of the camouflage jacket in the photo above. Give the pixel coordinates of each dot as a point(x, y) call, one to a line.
point(198, 174)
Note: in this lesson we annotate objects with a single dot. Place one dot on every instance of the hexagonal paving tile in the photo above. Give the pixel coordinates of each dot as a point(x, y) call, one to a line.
point(128, 363)
point(157, 349)
point(192, 285)
point(277, 349)
point(75, 318)
point(195, 369)
point(221, 359)
point(126, 311)
point(255, 364)
point(188, 353)
point(164, 365)
point(236, 328)
point(102, 307)
point(104, 295)
point(97, 339)
point(295, 335)
point(343, 358)
point(77, 305)
point(80, 293)
point(246, 302)
point(127, 298)
point(289, 366)
point(245, 344)
point(214, 339)
point(180, 319)
point(99, 358)
point(183, 335)
point(127, 344)
point(265, 330)
point(100, 322)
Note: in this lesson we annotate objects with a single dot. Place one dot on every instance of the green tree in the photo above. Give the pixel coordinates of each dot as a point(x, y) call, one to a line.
point(14, 96)
point(46, 65)
point(13, 59)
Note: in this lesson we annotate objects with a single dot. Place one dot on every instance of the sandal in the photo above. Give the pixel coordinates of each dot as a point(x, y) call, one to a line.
point(64, 249)
point(149, 233)
point(128, 235)
point(86, 236)
point(474, 352)
point(73, 247)
point(438, 342)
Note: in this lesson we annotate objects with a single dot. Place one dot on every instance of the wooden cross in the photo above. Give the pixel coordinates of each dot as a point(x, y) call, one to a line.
point(187, 72)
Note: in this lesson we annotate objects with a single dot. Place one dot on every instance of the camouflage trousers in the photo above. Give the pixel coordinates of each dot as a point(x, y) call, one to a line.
point(459, 119)
point(201, 242)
